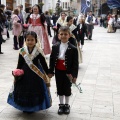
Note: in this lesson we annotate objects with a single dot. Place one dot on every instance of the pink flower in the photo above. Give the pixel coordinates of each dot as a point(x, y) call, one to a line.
point(25, 25)
point(55, 27)
point(18, 72)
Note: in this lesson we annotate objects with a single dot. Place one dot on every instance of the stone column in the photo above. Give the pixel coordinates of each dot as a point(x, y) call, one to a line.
point(32, 2)
point(23, 3)
point(18, 2)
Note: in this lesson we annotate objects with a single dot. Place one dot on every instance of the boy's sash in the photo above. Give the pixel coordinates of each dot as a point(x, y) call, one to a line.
point(34, 68)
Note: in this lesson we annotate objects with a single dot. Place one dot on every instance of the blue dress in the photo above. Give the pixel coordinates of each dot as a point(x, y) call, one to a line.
point(30, 93)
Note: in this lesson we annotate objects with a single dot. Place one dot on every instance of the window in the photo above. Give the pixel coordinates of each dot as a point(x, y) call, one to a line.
point(63, 5)
point(66, 5)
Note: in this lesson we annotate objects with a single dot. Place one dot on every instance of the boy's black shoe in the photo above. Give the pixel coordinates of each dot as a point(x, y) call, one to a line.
point(61, 109)
point(66, 109)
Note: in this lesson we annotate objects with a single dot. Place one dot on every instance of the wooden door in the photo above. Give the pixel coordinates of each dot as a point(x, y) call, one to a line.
point(9, 4)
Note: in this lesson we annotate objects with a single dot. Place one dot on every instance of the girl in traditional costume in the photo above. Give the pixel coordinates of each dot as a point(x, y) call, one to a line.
point(60, 22)
point(74, 36)
point(31, 92)
point(37, 24)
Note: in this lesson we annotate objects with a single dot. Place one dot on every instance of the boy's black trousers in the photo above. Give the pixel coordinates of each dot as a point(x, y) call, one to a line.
point(63, 83)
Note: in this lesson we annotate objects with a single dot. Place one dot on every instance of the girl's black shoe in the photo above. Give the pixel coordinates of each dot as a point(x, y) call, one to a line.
point(1, 52)
point(61, 109)
point(28, 112)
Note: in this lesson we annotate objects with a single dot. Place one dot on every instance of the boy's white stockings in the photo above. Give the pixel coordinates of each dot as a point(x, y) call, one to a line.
point(61, 99)
point(67, 98)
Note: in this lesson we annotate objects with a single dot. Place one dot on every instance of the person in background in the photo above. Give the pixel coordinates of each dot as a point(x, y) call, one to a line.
point(75, 20)
point(81, 30)
point(28, 11)
point(37, 24)
point(2, 8)
point(21, 13)
point(6, 26)
point(74, 40)
point(2, 21)
point(60, 22)
point(115, 19)
point(9, 20)
point(55, 18)
point(17, 29)
point(110, 24)
point(48, 21)
point(73, 29)
point(90, 21)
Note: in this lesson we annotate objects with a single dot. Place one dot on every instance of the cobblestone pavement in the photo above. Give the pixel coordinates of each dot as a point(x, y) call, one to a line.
point(99, 74)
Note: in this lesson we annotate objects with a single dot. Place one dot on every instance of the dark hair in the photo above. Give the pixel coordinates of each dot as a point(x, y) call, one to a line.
point(40, 11)
point(2, 6)
point(27, 9)
point(16, 11)
point(69, 18)
point(2, 17)
point(83, 21)
point(62, 13)
point(20, 5)
point(32, 33)
point(46, 12)
point(64, 28)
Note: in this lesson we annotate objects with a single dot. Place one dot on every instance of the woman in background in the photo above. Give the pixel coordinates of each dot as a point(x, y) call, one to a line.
point(36, 21)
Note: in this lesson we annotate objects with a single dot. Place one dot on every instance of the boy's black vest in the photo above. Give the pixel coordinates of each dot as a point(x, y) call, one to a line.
point(90, 19)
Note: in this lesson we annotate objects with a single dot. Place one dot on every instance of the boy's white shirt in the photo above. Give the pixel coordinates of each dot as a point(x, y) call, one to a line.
point(62, 50)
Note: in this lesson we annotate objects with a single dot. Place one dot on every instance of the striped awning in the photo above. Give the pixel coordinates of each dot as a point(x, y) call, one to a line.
point(113, 4)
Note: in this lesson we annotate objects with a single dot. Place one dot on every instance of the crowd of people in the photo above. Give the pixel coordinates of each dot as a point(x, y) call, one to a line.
point(31, 30)
point(110, 21)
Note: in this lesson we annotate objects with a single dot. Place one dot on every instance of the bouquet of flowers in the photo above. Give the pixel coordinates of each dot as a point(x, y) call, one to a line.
point(18, 74)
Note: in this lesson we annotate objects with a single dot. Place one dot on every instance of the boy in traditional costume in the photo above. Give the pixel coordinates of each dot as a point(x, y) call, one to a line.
point(64, 59)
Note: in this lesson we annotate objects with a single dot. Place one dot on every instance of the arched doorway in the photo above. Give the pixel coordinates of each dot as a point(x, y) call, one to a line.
point(104, 9)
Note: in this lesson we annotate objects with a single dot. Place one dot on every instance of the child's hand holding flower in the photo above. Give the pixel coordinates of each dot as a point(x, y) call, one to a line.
point(17, 73)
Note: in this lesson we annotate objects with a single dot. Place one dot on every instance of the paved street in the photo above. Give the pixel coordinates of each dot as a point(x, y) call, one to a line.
point(99, 74)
